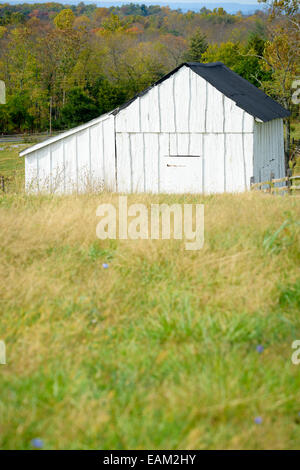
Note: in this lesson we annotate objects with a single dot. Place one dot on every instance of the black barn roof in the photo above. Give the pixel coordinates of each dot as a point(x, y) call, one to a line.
point(247, 96)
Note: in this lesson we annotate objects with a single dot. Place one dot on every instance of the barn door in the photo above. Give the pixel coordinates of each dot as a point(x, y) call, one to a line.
point(181, 169)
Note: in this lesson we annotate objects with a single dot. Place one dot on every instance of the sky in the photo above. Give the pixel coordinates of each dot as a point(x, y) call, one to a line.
point(74, 2)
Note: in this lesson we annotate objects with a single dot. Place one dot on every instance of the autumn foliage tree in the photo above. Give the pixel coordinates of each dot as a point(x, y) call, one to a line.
point(85, 60)
point(281, 55)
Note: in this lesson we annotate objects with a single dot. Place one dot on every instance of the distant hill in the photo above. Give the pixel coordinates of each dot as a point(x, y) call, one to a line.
point(246, 9)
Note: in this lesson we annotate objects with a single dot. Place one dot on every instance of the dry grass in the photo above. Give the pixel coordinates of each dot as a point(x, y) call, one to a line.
point(158, 350)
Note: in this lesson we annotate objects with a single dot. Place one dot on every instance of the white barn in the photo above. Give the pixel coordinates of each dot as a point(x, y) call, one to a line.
point(200, 129)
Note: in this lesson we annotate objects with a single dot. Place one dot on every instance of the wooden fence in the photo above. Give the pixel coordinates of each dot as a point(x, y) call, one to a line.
point(269, 186)
point(27, 138)
point(4, 183)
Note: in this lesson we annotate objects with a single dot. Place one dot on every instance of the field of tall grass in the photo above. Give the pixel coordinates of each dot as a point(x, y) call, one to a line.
point(164, 348)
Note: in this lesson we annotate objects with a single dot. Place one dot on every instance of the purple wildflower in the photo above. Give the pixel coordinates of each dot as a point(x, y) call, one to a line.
point(258, 420)
point(259, 348)
point(37, 443)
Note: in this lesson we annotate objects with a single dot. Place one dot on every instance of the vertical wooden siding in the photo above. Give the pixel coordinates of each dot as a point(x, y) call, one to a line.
point(184, 115)
point(77, 162)
point(268, 150)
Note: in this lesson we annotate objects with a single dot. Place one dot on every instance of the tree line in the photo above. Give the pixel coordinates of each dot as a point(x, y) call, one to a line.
point(65, 65)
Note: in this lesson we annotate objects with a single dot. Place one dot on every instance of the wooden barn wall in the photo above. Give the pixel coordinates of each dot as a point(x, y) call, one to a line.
point(268, 154)
point(183, 103)
point(227, 161)
point(184, 115)
point(78, 162)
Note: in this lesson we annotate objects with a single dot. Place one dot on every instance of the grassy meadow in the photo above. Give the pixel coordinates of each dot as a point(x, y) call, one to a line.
point(10, 164)
point(164, 349)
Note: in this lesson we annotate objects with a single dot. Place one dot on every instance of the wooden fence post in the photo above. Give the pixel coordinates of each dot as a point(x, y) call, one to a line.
point(289, 183)
point(2, 183)
point(272, 176)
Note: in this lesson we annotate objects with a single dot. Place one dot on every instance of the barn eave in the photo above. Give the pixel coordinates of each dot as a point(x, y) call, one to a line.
point(63, 135)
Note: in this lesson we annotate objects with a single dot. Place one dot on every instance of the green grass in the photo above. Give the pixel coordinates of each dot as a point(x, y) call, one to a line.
point(295, 129)
point(10, 163)
point(159, 350)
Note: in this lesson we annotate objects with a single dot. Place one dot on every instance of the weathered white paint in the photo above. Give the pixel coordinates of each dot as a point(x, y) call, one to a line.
point(191, 118)
point(151, 148)
point(268, 152)
point(184, 172)
point(182, 135)
point(56, 138)
point(78, 160)
point(70, 163)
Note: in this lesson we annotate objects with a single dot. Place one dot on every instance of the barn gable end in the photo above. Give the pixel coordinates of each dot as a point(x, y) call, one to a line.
point(183, 115)
point(185, 102)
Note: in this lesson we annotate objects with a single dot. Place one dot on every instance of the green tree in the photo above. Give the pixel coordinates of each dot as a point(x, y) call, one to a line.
point(16, 114)
point(197, 46)
point(113, 24)
point(226, 52)
point(79, 108)
point(64, 20)
point(281, 55)
point(110, 96)
point(241, 59)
